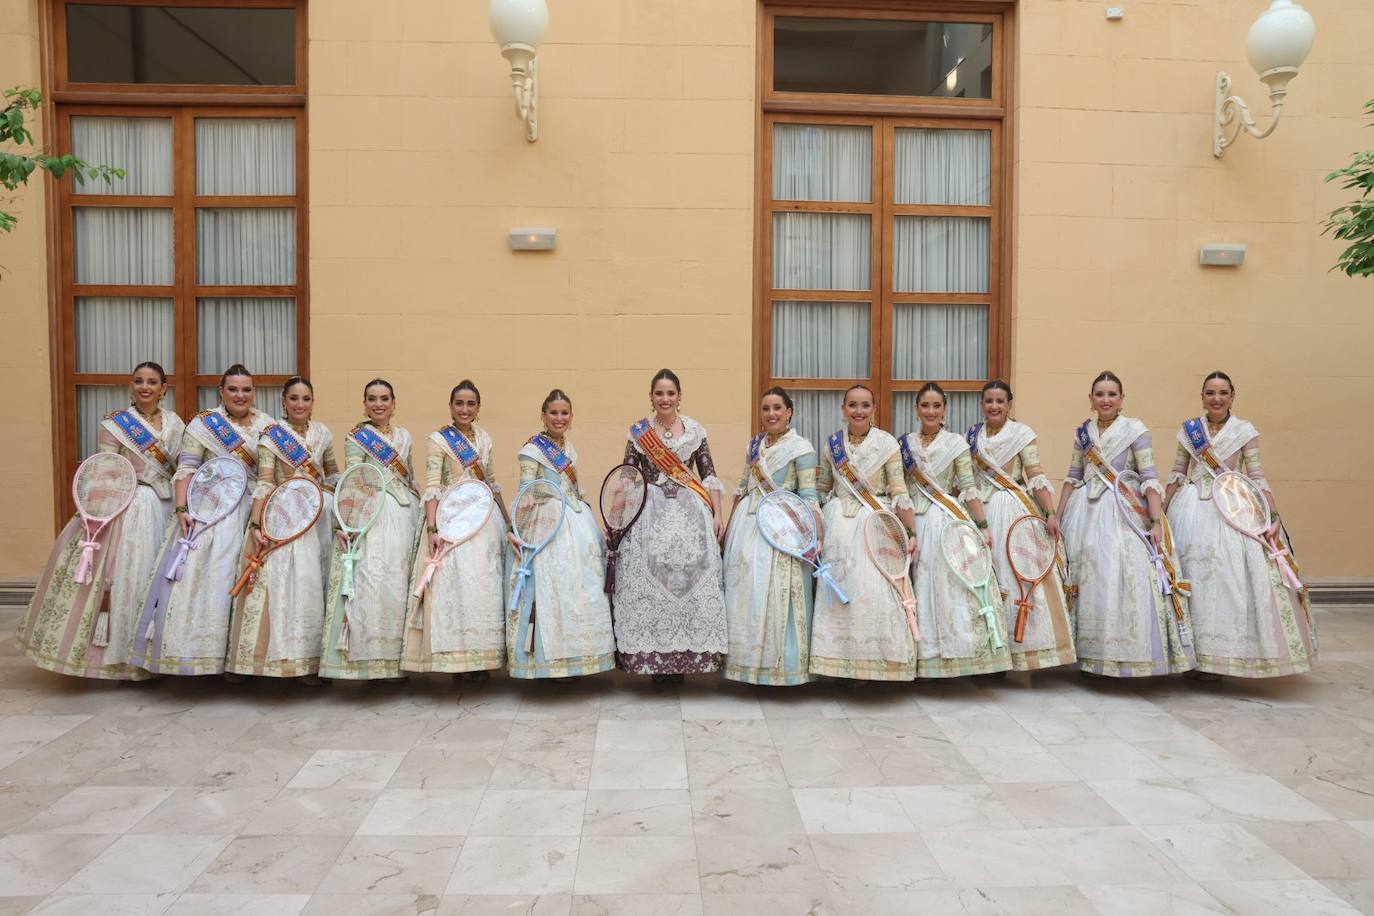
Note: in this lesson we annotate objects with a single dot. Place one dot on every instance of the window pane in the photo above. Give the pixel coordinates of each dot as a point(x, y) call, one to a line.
point(821, 162)
point(816, 414)
point(260, 333)
point(820, 339)
point(961, 412)
point(266, 398)
point(123, 245)
point(245, 156)
point(939, 341)
point(93, 402)
point(882, 57)
point(142, 147)
point(940, 254)
point(114, 334)
point(158, 44)
point(246, 246)
point(943, 166)
point(821, 251)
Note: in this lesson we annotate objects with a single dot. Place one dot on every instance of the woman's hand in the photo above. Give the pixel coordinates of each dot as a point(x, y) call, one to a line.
point(719, 523)
point(259, 538)
point(340, 540)
point(515, 545)
point(1053, 523)
point(987, 538)
point(1157, 536)
point(187, 523)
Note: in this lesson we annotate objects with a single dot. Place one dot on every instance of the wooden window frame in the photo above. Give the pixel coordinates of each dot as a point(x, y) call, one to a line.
point(183, 105)
point(885, 115)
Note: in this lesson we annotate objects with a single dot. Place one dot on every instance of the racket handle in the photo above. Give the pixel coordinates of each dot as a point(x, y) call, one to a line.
point(254, 564)
point(521, 574)
point(346, 578)
point(86, 565)
point(823, 573)
point(611, 557)
point(909, 605)
point(994, 633)
point(184, 547)
point(1022, 615)
point(430, 565)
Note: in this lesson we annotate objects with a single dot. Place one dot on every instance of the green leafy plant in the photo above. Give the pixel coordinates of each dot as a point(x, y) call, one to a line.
point(1354, 223)
point(16, 165)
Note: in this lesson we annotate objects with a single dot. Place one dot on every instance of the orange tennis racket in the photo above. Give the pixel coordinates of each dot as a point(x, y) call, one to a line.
point(290, 511)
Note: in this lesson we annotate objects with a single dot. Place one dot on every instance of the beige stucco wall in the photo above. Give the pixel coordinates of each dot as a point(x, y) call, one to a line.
point(645, 165)
point(26, 525)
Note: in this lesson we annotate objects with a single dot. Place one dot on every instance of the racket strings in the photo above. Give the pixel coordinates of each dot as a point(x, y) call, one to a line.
point(358, 496)
point(1241, 502)
point(463, 511)
point(964, 552)
point(622, 497)
point(216, 489)
point(536, 513)
point(1031, 550)
point(887, 543)
point(290, 509)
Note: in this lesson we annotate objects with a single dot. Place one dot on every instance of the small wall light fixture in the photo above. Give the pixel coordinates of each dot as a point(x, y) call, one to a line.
point(1279, 42)
point(518, 27)
point(533, 239)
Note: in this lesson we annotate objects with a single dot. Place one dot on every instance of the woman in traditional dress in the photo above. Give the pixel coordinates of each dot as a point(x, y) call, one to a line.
point(1012, 485)
point(956, 639)
point(85, 630)
point(459, 626)
point(669, 598)
point(868, 639)
point(1126, 625)
point(363, 634)
point(1247, 621)
point(564, 601)
point(183, 625)
point(767, 593)
point(278, 620)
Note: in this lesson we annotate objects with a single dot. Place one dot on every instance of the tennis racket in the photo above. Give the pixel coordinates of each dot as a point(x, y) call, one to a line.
point(463, 510)
point(358, 497)
point(1032, 550)
point(1245, 507)
point(103, 487)
point(967, 555)
point(789, 526)
point(290, 511)
point(623, 495)
point(888, 547)
point(1135, 511)
point(536, 515)
point(215, 491)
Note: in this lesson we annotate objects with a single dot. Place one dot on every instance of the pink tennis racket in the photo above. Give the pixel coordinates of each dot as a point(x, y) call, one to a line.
point(888, 547)
point(103, 487)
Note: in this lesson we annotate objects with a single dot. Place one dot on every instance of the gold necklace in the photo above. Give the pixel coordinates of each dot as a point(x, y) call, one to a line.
point(860, 439)
point(668, 431)
point(927, 439)
point(300, 430)
point(149, 417)
point(770, 440)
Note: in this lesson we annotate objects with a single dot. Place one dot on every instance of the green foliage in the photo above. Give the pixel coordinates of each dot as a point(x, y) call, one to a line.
point(1354, 223)
point(16, 166)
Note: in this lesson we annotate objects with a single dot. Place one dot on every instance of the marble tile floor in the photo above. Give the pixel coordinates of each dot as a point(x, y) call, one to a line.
point(1044, 794)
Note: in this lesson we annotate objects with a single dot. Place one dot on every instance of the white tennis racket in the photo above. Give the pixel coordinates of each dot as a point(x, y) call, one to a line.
point(536, 515)
point(889, 548)
point(463, 510)
point(291, 510)
point(788, 525)
point(358, 498)
point(102, 488)
point(967, 555)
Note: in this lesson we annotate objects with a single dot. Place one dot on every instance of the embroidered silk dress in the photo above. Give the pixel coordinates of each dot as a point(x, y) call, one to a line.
point(278, 622)
point(363, 634)
point(669, 596)
point(1246, 621)
point(955, 638)
point(1048, 638)
point(768, 601)
point(565, 600)
point(62, 630)
point(869, 638)
point(189, 633)
point(1124, 625)
point(462, 617)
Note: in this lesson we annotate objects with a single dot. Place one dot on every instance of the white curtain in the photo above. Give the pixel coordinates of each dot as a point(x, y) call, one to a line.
point(943, 167)
point(266, 398)
point(260, 333)
point(123, 245)
point(142, 147)
point(961, 412)
point(246, 246)
point(821, 251)
point(816, 413)
point(940, 254)
point(945, 341)
point(822, 162)
point(114, 334)
point(820, 339)
point(254, 156)
point(93, 402)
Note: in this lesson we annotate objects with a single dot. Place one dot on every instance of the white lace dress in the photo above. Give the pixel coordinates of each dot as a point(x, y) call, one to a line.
point(669, 595)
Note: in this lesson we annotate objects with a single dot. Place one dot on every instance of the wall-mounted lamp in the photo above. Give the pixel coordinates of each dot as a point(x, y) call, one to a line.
point(1279, 42)
point(533, 239)
point(518, 27)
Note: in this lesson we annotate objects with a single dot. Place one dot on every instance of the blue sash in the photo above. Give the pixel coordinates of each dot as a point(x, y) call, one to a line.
point(462, 449)
point(228, 437)
point(840, 458)
point(291, 448)
point(1081, 437)
point(971, 437)
point(557, 457)
point(1196, 432)
point(142, 437)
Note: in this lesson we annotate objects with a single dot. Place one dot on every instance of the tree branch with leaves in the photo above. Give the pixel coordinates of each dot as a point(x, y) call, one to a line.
point(17, 165)
point(1354, 223)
